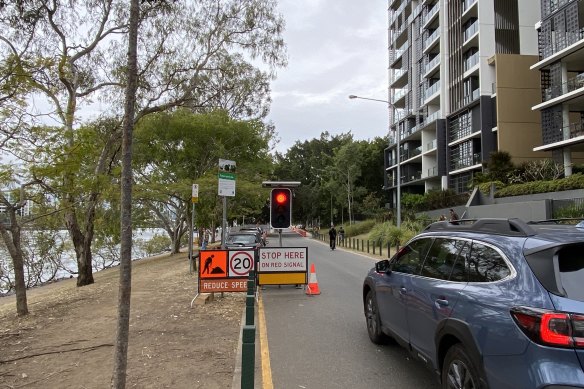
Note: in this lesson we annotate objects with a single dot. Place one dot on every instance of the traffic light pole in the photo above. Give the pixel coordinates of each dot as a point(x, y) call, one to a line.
point(280, 233)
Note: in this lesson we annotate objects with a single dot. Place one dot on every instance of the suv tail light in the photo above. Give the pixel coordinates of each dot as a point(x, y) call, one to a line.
point(550, 328)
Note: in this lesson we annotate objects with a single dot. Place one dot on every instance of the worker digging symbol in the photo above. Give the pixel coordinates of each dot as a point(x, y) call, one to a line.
point(208, 262)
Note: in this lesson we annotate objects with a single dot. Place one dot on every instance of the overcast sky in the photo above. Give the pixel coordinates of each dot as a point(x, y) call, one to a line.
point(335, 48)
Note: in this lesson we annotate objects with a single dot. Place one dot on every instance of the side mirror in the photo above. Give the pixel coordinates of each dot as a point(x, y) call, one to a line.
point(383, 266)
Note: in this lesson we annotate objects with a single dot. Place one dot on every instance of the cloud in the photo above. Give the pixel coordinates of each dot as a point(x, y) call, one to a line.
point(336, 48)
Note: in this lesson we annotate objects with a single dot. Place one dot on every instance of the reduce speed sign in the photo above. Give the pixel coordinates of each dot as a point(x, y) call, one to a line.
point(241, 262)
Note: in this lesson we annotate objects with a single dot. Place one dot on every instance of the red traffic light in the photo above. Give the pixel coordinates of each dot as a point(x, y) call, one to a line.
point(280, 208)
point(281, 198)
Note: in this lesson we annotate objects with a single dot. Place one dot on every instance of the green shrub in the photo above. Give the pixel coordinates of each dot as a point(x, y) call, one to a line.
point(413, 202)
point(387, 232)
point(575, 181)
point(157, 244)
point(572, 211)
point(380, 232)
point(358, 228)
point(485, 188)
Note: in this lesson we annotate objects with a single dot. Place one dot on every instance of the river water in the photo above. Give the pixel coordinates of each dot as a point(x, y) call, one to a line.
point(101, 258)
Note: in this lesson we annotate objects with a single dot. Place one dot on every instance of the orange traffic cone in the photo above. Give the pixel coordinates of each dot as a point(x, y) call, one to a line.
point(312, 283)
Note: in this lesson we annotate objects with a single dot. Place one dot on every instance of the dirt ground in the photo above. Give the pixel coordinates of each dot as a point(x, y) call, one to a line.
point(67, 340)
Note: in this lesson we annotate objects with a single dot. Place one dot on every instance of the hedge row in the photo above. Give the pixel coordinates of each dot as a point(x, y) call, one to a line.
point(575, 181)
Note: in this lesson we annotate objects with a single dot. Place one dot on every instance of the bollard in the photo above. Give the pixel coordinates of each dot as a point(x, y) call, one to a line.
point(249, 309)
point(251, 285)
point(248, 357)
point(388, 250)
point(374, 244)
point(367, 247)
point(381, 249)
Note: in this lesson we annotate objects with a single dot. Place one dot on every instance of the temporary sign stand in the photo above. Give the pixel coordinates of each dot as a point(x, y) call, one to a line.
point(225, 270)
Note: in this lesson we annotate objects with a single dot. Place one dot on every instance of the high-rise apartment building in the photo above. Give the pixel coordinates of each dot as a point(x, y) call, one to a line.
point(460, 87)
point(561, 63)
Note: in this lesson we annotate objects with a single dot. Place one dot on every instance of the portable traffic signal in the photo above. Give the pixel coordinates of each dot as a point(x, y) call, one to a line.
point(280, 208)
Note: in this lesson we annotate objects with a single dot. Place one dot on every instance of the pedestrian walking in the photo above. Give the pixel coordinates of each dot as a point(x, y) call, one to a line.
point(341, 234)
point(206, 237)
point(453, 216)
point(333, 237)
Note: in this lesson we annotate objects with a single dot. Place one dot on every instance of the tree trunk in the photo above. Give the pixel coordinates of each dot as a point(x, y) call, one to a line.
point(125, 289)
point(82, 249)
point(11, 238)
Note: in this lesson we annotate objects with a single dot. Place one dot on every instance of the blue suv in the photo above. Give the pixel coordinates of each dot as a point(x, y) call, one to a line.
point(487, 303)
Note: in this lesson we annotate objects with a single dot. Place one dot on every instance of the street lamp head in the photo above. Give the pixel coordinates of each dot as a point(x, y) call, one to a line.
point(353, 97)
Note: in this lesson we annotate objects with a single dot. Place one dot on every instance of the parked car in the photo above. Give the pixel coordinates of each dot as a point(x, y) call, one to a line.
point(242, 240)
point(489, 303)
point(256, 230)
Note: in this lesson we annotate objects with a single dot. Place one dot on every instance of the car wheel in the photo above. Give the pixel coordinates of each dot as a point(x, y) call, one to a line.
point(458, 372)
point(372, 318)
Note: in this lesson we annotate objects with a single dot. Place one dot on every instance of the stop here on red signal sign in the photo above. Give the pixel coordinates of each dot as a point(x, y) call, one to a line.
point(283, 259)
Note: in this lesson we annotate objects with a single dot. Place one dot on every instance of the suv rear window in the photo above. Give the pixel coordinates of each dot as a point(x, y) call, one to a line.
point(485, 264)
point(571, 266)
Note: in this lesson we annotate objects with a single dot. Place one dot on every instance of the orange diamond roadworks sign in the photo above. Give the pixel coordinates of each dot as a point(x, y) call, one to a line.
point(213, 264)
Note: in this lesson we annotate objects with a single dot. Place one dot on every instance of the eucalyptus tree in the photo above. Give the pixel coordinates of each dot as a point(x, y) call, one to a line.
point(72, 55)
point(173, 150)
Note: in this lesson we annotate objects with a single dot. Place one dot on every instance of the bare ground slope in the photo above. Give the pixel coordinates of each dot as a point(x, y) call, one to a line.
point(67, 341)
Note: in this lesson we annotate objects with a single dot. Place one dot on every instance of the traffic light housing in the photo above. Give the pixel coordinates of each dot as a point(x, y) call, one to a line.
point(280, 208)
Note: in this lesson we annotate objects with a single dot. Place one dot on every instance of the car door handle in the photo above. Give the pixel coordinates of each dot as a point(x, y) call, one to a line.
point(403, 290)
point(441, 303)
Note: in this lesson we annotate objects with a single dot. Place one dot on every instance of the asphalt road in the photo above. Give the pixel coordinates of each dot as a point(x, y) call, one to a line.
point(321, 341)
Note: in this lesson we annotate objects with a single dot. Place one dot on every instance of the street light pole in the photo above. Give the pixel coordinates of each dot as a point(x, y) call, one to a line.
point(397, 136)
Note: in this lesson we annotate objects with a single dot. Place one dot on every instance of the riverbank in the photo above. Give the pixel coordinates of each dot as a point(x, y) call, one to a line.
point(67, 340)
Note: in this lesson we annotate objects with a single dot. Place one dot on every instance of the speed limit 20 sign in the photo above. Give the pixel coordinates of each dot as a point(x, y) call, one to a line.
point(241, 262)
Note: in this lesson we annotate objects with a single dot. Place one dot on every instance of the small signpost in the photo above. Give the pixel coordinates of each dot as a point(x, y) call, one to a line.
point(226, 178)
point(226, 188)
point(195, 199)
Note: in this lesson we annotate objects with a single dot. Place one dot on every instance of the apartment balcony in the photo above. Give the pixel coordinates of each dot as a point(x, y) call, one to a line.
point(431, 145)
point(432, 172)
point(467, 4)
point(397, 32)
point(399, 78)
point(472, 30)
point(471, 61)
point(431, 15)
point(431, 93)
point(474, 95)
point(431, 41)
point(398, 12)
point(575, 132)
point(467, 161)
point(395, 56)
point(458, 134)
point(431, 66)
point(406, 155)
point(398, 96)
point(430, 119)
point(412, 177)
point(571, 85)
